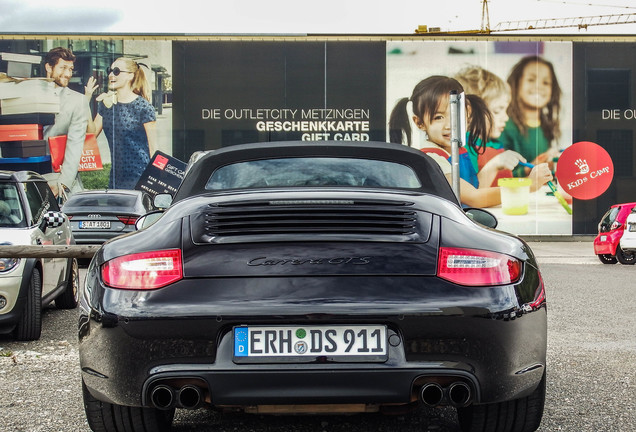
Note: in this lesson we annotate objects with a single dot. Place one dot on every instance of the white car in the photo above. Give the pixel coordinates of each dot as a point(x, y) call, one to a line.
point(628, 240)
point(30, 215)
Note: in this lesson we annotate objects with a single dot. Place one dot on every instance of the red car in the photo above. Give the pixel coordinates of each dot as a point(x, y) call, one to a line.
point(610, 231)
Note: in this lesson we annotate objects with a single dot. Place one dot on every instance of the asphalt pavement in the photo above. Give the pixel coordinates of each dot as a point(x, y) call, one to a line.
point(591, 365)
point(564, 251)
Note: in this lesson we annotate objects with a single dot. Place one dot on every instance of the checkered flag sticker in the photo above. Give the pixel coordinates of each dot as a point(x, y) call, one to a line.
point(54, 219)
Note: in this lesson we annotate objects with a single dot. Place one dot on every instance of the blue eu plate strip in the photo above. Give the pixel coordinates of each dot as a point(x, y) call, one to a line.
point(240, 342)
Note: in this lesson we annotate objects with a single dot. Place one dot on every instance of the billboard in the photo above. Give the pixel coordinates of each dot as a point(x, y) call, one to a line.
point(543, 96)
point(485, 68)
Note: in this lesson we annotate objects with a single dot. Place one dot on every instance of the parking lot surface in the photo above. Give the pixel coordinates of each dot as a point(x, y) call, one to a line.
point(591, 365)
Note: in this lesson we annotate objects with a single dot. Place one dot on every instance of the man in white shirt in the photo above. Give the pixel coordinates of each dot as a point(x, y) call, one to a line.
point(70, 121)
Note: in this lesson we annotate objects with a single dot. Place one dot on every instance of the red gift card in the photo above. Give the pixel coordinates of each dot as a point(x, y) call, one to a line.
point(585, 170)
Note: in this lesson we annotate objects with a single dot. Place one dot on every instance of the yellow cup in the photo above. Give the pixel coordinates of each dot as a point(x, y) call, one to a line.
point(515, 195)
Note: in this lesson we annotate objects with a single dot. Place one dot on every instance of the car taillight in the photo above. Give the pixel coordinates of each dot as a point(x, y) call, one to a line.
point(127, 220)
point(143, 271)
point(475, 267)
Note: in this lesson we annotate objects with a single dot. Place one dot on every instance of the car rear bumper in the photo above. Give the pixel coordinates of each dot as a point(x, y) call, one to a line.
point(92, 237)
point(605, 244)
point(497, 359)
point(628, 242)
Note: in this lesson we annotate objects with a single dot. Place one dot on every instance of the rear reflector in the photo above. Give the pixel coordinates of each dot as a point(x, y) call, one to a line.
point(473, 267)
point(143, 271)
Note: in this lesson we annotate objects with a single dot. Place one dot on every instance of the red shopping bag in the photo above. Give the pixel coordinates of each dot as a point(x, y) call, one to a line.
point(91, 159)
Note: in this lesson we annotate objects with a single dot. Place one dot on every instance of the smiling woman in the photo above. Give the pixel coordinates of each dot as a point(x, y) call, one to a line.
point(128, 120)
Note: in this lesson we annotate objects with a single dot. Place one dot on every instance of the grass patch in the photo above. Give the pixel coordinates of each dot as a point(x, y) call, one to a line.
point(96, 179)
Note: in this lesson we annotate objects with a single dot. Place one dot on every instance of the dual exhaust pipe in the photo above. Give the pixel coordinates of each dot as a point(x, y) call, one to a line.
point(165, 397)
point(458, 394)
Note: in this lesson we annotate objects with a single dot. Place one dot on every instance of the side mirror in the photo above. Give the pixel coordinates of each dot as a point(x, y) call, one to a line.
point(52, 219)
point(162, 201)
point(148, 219)
point(482, 217)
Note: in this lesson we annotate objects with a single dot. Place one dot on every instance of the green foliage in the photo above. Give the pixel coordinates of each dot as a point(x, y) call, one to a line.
point(95, 179)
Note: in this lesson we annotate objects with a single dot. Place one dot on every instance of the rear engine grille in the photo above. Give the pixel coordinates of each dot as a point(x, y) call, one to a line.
point(305, 217)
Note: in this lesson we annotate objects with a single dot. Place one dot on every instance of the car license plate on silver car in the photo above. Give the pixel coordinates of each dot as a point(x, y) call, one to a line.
point(305, 343)
point(94, 224)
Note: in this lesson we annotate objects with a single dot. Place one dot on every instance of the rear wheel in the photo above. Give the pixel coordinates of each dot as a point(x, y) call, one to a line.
point(519, 415)
point(607, 259)
point(30, 325)
point(107, 417)
point(69, 298)
point(625, 258)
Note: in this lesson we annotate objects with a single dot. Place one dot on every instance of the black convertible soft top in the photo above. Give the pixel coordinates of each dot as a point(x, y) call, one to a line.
point(429, 173)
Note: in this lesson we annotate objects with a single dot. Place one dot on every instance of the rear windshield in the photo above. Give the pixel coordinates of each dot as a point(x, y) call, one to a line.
point(119, 201)
point(302, 172)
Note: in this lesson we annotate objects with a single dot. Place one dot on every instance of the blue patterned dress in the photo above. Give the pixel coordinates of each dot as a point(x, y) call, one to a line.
point(123, 125)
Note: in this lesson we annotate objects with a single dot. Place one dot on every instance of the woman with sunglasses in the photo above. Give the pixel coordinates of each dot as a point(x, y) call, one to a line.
point(128, 120)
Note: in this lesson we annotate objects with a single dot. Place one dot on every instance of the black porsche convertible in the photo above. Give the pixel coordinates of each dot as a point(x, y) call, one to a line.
point(314, 277)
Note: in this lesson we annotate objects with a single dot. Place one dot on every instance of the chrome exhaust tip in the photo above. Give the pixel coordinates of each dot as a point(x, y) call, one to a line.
point(162, 397)
point(459, 394)
point(432, 394)
point(190, 397)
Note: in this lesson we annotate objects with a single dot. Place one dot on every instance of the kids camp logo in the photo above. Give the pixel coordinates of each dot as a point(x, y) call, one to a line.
point(585, 170)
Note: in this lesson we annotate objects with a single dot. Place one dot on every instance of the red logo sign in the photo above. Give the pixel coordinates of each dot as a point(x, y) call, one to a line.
point(160, 162)
point(585, 170)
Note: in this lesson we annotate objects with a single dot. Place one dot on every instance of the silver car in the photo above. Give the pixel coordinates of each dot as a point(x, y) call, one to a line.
point(30, 215)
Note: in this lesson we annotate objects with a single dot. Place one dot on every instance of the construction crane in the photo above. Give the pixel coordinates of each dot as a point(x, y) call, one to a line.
point(580, 23)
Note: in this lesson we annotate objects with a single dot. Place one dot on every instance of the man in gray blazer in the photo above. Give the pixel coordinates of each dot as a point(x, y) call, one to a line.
point(70, 121)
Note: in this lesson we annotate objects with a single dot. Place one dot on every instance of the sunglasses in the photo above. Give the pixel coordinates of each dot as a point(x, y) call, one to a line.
point(115, 71)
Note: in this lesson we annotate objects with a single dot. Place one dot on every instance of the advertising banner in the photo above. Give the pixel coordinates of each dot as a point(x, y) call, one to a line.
point(241, 92)
point(538, 98)
point(534, 79)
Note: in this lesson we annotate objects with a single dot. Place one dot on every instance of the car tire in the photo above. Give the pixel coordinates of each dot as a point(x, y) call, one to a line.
point(519, 415)
point(70, 296)
point(107, 417)
point(30, 324)
point(607, 258)
point(625, 258)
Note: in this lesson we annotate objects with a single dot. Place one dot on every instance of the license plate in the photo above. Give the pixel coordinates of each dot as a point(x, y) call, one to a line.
point(306, 343)
point(94, 224)
point(603, 238)
point(632, 227)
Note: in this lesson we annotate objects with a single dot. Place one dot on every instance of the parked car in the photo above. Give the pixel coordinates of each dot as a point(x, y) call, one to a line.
point(100, 215)
point(610, 230)
point(313, 277)
point(29, 215)
point(628, 240)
